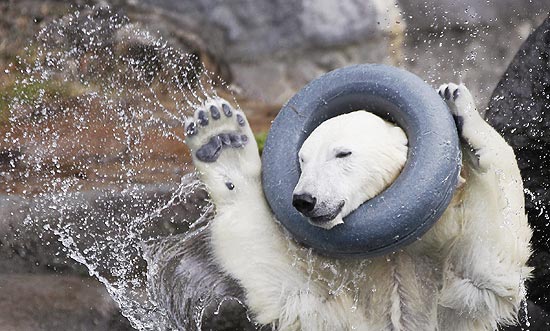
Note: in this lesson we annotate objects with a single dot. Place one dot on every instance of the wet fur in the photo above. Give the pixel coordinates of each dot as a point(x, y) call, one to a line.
point(466, 274)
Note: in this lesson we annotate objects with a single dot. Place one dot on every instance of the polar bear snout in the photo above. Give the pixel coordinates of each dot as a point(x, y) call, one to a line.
point(321, 213)
point(304, 203)
point(329, 219)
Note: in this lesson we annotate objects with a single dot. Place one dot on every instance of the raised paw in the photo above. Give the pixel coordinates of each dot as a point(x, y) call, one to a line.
point(460, 103)
point(459, 99)
point(223, 148)
point(482, 140)
point(215, 128)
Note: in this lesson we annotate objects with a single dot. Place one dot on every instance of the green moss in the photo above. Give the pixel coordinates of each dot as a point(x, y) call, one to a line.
point(260, 139)
point(4, 104)
point(28, 91)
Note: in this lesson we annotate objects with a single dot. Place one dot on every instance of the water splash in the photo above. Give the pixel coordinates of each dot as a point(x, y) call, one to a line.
point(91, 101)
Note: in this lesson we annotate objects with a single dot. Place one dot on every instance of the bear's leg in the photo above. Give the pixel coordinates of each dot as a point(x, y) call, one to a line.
point(487, 154)
point(244, 236)
point(488, 147)
point(486, 264)
point(224, 150)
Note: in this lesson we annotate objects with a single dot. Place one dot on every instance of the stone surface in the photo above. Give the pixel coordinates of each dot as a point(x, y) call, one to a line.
point(53, 302)
point(466, 40)
point(537, 319)
point(520, 111)
point(35, 268)
point(26, 245)
point(272, 48)
point(249, 29)
point(438, 14)
point(274, 80)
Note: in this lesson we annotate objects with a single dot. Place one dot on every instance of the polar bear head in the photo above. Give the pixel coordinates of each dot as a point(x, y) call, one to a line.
point(346, 161)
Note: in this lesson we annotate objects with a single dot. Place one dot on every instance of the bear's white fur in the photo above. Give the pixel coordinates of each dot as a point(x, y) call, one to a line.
point(466, 273)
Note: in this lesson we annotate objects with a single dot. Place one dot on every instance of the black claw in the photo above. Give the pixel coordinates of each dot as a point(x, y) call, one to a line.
point(227, 110)
point(240, 120)
point(230, 186)
point(244, 138)
point(202, 118)
point(191, 129)
point(456, 93)
point(210, 151)
point(215, 112)
point(447, 93)
point(440, 93)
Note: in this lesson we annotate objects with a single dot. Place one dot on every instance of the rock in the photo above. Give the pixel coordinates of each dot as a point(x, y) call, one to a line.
point(274, 80)
point(28, 243)
point(272, 48)
point(250, 29)
point(465, 40)
point(537, 319)
point(50, 302)
point(453, 13)
point(520, 110)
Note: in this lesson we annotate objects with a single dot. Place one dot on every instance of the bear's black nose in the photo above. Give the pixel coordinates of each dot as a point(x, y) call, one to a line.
point(304, 203)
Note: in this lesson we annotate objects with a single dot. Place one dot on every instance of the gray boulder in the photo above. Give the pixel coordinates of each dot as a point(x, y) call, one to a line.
point(520, 110)
point(28, 243)
point(248, 29)
point(53, 302)
point(456, 13)
point(272, 48)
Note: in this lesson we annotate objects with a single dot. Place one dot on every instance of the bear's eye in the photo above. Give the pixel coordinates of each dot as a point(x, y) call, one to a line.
point(343, 154)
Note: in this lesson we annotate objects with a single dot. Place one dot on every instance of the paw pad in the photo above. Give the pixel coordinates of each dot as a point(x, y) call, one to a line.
point(215, 112)
point(202, 118)
point(227, 110)
point(191, 129)
point(210, 132)
point(210, 151)
point(240, 120)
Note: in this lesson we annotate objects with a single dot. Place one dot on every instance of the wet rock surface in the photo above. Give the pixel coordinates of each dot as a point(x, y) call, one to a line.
point(272, 48)
point(520, 110)
point(55, 302)
point(246, 29)
point(536, 320)
point(27, 243)
point(41, 287)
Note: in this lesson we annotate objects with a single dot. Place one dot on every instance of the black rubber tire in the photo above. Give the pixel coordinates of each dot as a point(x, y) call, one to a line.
point(416, 199)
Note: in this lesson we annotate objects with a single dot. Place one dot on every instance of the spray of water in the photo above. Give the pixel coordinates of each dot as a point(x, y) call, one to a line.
point(92, 98)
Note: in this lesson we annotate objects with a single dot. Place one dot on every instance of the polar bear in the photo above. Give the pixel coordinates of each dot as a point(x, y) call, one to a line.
point(466, 273)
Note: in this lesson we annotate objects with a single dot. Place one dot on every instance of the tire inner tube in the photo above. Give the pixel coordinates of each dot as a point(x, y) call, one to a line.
point(412, 203)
